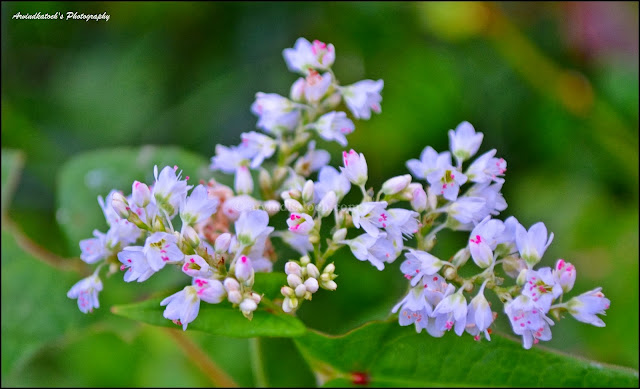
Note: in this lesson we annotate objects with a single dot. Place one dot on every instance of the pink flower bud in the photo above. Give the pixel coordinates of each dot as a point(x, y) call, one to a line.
point(396, 184)
point(141, 194)
point(120, 205)
point(565, 275)
point(244, 270)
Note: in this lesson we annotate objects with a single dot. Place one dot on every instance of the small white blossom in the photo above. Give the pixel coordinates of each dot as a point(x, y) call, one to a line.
point(258, 146)
point(298, 242)
point(316, 86)
point(479, 315)
point(300, 223)
point(133, 258)
point(243, 182)
point(494, 201)
point(94, 249)
point(232, 208)
point(486, 168)
point(483, 240)
point(528, 320)
point(451, 312)
point(414, 309)
point(446, 178)
point(329, 179)
point(541, 287)
point(305, 56)
point(229, 159)
point(169, 190)
point(533, 243)
point(355, 167)
point(196, 266)
point(464, 142)
point(429, 161)
point(378, 251)
point(334, 126)
point(250, 225)
point(182, 307)
point(401, 223)
point(467, 210)
point(161, 248)
point(275, 113)
point(589, 304)
point(244, 270)
point(140, 193)
point(564, 275)
point(420, 264)
point(120, 230)
point(313, 160)
point(327, 204)
point(370, 216)
point(209, 290)
point(86, 291)
point(363, 97)
point(198, 206)
point(396, 184)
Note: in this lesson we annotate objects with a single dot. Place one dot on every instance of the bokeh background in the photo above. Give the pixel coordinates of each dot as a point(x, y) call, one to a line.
point(553, 86)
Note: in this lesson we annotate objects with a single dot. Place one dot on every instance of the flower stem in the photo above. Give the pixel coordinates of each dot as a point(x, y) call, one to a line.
point(257, 366)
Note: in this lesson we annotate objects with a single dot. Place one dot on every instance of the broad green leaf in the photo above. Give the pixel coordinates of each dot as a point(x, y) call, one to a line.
point(35, 307)
point(92, 174)
point(12, 161)
point(386, 354)
point(222, 319)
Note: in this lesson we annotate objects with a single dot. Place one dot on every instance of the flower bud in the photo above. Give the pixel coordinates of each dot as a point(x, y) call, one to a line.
point(294, 280)
point(329, 269)
point(271, 206)
point(305, 260)
point(297, 90)
point(287, 291)
point(418, 199)
point(324, 277)
point(450, 273)
point(329, 285)
point(190, 236)
point(264, 180)
point(140, 194)
point(339, 235)
point(327, 204)
point(243, 183)
point(231, 285)
point(234, 297)
point(565, 275)
point(311, 284)
point(222, 242)
point(120, 205)
point(312, 271)
point(279, 174)
point(522, 277)
point(293, 206)
point(301, 290)
point(461, 257)
point(432, 198)
point(256, 297)
point(244, 270)
point(429, 242)
point(289, 304)
point(292, 268)
point(355, 167)
point(307, 192)
point(512, 265)
point(248, 305)
point(396, 184)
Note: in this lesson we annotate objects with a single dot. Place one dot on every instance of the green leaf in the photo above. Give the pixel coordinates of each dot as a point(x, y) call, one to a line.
point(222, 319)
point(89, 175)
point(386, 354)
point(12, 161)
point(35, 307)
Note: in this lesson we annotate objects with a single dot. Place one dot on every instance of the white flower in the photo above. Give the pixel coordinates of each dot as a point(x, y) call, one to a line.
point(251, 225)
point(363, 97)
point(329, 179)
point(182, 307)
point(133, 258)
point(589, 304)
point(243, 182)
point(120, 230)
point(428, 162)
point(508, 237)
point(375, 250)
point(564, 275)
point(467, 210)
point(528, 320)
point(316, 86)
point(420, 264)
point(334, 126)
point(298, 242)
point(169, 190)
point(244, 270)
point(370, 216)
point(86, 291)
point(232, 208)
point(305, 56)
point(297, 90)
point(494, 201)
point(196, 266)
point(198, 206)
point(228, 159)
point(140, 194)
point(401, 222)
point(415, 309)
point(396, 184)
point(208, 290)
point(313, 160)
point(160, 248)
point(418, 198)
point(300, 223)
point(275, 113)
point(464, 142)
point(479, 315)
point(327, 204)
point(541, 287)
point(94, 249)
point(355, 167)
point(487, 168)
point(258, 146)
point(446, 178)
point(533, 243)
point(451, 312)
point(483, 240)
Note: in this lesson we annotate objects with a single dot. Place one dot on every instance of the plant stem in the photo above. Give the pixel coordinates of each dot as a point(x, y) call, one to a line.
point(257, 366)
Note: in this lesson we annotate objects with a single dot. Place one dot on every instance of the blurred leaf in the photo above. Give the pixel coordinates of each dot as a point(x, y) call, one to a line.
point(221, 319)
point(385, 354)
point(83, 178)
point(12, 161)
point(35, 307)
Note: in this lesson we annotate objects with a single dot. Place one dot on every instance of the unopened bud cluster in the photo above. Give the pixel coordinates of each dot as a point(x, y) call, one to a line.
point(225, 237)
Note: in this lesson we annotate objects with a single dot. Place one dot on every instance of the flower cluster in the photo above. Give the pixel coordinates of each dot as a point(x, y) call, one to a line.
point(438, 303)
point(225, 237)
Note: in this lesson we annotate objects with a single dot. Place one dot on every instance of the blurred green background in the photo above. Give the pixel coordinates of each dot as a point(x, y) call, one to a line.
point(553, 86)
